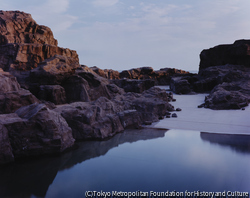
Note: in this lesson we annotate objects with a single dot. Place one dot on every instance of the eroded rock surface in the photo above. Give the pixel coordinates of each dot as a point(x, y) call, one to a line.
point(35, 130)
point(48, 100)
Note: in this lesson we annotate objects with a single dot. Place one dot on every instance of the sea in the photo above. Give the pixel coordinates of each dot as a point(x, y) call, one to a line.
point(201, 153)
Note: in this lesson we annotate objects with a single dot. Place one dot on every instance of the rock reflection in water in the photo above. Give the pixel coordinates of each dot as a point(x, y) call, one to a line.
point(33, 177)
point(238, 143)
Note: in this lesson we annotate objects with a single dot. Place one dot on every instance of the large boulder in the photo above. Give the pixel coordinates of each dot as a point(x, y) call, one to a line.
point(96, 120)
point(12, 97)
point(180, 85)
point(35, 130)
point(228, 96)
point(11, 101)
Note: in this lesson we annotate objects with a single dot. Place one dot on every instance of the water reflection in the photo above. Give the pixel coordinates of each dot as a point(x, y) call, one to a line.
point(33, 177)
point(238, 143)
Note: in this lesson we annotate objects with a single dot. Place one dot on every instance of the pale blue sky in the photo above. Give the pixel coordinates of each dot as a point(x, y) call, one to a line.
point(123, 34)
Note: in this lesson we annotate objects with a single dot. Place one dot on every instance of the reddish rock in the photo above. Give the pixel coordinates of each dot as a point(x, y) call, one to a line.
point(19, 27)
point(24, 43)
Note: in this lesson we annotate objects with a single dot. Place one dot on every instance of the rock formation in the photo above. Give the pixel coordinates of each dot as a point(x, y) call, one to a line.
point(24, 44)
point(159, 77)
point(237, 53)
point(48, 100)
point(224, 72)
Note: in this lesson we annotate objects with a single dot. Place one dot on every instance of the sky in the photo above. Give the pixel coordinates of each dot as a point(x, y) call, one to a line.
point(125, 34)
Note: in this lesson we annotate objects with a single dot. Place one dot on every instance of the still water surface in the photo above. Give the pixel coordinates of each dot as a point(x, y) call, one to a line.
point(145, 160)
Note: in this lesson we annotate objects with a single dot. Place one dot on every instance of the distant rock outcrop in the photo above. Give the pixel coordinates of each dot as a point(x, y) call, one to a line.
point(159, 77)
point(224, 72)
point(237, 53)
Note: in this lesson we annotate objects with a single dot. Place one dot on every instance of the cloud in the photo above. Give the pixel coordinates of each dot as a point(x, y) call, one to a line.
point(105, 3)
point(52, 13)
point(129, 33)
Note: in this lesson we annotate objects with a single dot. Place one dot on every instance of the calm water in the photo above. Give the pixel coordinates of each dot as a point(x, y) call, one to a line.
point(145, 160)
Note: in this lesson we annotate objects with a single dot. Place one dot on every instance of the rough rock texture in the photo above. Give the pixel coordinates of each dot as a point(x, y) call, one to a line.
point(30, 122)
point(97, 85)
point(19, 27)
point(54, 70)
point(224, 72)
point(104, 118)
point(91, 121)
point(24, 43)
point(229, 96)
point(180, 85)
point(12, 97)
point(52, 93)
point(35, 130)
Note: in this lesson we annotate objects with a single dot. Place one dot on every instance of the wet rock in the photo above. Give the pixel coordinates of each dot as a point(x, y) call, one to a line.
point(227, 96)
point(201, 105)
point(174, 115)
point(35, 130)
point(130, 119)
point(180, 85)
point(52, 135)
point(91, 120)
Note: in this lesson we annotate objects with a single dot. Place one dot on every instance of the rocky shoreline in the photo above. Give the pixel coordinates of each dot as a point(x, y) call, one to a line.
point(48, 101)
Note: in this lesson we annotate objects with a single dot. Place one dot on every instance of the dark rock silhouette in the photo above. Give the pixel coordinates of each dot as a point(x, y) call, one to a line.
point(224, 72)
point(237, 53)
